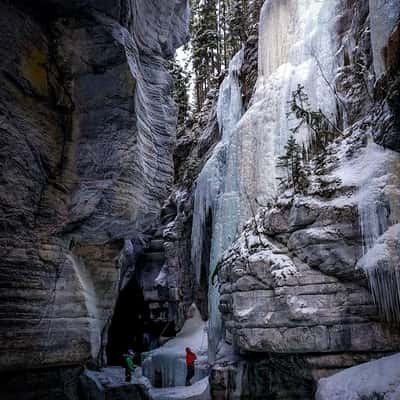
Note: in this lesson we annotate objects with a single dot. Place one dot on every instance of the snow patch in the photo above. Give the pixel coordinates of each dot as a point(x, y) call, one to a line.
point(381, 376)
point(198, 391)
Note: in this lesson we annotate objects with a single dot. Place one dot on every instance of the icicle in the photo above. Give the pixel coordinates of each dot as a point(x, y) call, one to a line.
point(382, 266)
point(379, 214)
point(385, 288)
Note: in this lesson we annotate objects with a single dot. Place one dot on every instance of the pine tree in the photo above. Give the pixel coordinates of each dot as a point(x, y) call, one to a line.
point(219, 28)
point(323, 130)
point(180, 90)
point(237, 18)
point(292, 161)
point(205, 43)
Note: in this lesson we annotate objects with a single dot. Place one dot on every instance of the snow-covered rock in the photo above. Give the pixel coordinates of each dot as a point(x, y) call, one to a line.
point(109, 383)
point(365, 381)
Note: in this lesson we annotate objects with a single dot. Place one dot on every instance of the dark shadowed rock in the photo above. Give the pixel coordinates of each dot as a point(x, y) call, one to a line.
point(87, 132)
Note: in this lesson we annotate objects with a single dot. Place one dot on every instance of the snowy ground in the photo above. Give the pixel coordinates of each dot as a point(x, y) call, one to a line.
point(112, 380)
point(198, 391)
point(381, 377)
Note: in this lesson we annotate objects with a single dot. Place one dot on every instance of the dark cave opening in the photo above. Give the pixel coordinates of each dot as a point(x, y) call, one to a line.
point(202, 292)
point(134, 325)
point(127, 327)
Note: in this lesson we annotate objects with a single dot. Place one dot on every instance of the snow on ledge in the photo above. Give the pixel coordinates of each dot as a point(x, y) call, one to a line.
point(380, 376)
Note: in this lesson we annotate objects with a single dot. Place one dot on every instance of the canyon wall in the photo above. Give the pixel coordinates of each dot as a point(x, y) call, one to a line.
point(88, 128)
point(310, 285)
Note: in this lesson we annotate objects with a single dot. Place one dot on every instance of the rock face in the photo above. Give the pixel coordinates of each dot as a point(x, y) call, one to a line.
point(274, 302)
point(88, 128)
point(294, 297)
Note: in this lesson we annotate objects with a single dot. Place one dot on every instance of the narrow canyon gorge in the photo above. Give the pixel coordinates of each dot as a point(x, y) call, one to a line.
point(261, 229)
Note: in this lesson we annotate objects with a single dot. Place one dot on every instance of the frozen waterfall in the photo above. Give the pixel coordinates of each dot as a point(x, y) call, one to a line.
point(166, 365)
point(217, 193)
point(379, 213)
point(295, 47)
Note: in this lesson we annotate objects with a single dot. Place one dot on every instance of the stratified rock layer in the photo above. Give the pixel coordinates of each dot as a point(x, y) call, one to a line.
point(294, 298)
point(88, 128)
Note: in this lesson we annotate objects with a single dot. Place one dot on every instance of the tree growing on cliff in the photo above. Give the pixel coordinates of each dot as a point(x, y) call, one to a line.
point(292, 161)
point(322, 129)
point(237, 21)
point(205, 48)
point(180, 91)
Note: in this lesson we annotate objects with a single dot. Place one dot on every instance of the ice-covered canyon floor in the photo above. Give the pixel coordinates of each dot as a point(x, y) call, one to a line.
point(110, 383)
point(163, 371)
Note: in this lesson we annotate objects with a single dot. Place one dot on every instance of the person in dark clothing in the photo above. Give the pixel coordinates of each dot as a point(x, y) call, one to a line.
point(129, 365)
point(190, 359)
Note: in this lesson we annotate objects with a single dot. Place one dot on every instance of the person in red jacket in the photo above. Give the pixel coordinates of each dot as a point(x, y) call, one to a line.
point(190, 358)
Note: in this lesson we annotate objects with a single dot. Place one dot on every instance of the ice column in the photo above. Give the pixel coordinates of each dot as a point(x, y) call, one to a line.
point(379, 212)
point(217, 194)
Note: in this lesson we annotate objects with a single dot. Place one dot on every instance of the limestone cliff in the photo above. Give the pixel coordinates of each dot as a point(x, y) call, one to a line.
point(310, 284)
point(88, 128)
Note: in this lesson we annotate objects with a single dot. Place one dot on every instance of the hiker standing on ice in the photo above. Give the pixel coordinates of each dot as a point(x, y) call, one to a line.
point(129, 365)
point(190, 358)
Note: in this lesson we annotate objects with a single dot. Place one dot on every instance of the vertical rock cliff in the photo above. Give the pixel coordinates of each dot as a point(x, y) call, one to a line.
point(310, 285)
point(88, 127)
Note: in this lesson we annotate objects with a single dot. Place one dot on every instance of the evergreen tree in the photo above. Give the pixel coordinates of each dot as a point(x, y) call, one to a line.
point(180, 90)
point(292, 161)
point(323, 130)
point(219, 28)
point(205, 43)
point(237, 19)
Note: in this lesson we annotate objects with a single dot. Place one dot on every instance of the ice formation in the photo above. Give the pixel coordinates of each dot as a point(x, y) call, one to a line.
point(295, 47)
point(375, 173)
point(167, 363)
point(384, 16)
point(217, 194)
point(382, 265)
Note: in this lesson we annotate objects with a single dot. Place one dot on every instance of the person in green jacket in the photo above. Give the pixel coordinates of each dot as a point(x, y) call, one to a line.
point(129, 365)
